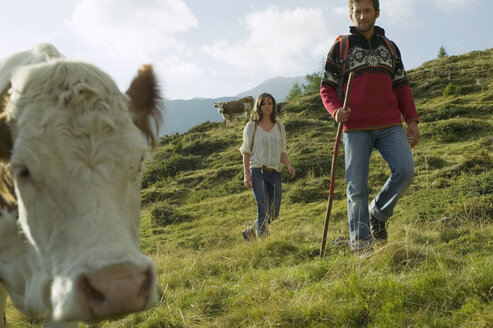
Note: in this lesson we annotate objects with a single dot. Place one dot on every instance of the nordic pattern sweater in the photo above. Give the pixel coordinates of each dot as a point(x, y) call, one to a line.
point(380, 92)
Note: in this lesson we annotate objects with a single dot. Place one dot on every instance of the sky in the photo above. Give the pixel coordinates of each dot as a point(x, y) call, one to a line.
point(218, 48)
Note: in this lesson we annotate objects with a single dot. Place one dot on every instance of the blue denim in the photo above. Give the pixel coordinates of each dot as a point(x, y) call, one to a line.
point(393, 146)
point(267, 190)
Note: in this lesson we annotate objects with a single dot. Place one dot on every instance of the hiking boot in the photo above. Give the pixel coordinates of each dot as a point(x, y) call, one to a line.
point(378, 229)
point(362, 246)
point(249, 233)
point(342, 242)
point(264, 231)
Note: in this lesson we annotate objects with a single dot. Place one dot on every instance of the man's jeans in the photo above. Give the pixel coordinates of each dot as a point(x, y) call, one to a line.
point(267, 190)
point(393, 145)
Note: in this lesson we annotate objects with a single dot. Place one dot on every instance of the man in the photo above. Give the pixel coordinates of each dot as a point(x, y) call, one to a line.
point(380, 95)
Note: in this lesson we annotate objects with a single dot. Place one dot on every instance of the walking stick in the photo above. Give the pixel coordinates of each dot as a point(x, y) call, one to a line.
point(333, 167)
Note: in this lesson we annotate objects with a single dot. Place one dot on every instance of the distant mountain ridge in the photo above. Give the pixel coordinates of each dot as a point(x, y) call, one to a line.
point(181, 115)
point(278, 87)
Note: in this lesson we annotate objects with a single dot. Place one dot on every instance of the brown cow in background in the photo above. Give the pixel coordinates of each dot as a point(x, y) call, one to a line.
point(235, 108)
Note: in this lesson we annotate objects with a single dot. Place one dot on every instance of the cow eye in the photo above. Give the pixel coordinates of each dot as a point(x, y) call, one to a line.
point(24, 173)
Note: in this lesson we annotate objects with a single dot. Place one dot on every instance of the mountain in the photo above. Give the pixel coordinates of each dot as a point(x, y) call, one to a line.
point(278, 87)
point(180, 115)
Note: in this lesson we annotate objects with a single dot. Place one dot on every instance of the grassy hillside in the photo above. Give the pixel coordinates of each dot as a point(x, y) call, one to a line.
point(435, 271)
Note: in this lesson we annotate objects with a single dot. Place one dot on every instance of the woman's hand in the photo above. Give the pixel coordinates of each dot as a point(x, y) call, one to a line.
point(292, 171)
point(287, 164)
point(247, 180)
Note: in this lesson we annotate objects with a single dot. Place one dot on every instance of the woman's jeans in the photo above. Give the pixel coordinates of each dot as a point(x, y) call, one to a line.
point(393, 145)
point(267, 190)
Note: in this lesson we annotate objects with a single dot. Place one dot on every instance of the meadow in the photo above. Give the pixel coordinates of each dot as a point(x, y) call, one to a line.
point(436, 270)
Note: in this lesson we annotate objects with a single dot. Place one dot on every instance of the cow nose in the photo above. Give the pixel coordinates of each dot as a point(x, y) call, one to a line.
point(115, 290)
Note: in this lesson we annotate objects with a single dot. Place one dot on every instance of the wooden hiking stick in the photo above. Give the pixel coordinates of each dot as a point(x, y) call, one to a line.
point(333, 167)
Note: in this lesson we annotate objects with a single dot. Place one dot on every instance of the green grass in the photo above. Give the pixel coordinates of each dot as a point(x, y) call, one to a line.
point(435, 271)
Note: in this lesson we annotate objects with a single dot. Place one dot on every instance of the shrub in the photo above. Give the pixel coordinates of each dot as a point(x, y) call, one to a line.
point(177, 196)
point(475, 209)
point(205, 147)
point(177, 147)
point(296, 124)
point(309, 191)
point(168, 138)
point(309, 102)
point(169, 167)
point(475, 185)
point(228, 187)
point(165, 215)
point(444, 112)
point(430, 162)
point(454, 130)
point(477, 162)
point(206, 126)
point(451, 90)
point(220, 176)
point(315, 163)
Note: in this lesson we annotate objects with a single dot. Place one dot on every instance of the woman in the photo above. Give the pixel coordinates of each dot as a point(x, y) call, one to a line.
point(264, 150)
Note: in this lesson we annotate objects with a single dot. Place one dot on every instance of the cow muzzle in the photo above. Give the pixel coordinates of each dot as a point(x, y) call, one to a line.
point(105, 293)
point(115, 290)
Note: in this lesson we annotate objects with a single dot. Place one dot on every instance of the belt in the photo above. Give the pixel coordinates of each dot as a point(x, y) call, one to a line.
point(268, 169)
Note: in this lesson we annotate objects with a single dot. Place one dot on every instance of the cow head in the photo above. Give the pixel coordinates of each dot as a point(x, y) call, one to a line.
point(75, 150)
point(220, 107)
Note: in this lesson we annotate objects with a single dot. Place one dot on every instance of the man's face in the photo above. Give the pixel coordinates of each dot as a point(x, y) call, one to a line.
point(364, 16)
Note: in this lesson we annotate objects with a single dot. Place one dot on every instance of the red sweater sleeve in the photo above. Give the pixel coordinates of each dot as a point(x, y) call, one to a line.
point(329, 98)
point(405, 102)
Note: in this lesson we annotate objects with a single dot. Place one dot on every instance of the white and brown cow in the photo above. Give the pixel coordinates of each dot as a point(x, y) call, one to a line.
point(71, 146)
point(234, 108)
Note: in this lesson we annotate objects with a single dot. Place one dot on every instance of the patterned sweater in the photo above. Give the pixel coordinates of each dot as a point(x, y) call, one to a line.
point(380, 92)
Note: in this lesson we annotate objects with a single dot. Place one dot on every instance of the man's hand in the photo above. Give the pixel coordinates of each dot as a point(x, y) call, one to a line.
point(413, 133)
point(342, 115)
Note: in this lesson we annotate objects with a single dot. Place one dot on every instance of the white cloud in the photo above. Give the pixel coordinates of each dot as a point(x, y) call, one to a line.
point(408, 12)
point(399, 11)
point(277, 42)
point(132, 28)
point(342, 11)
point(177, 75)
point(453, 4)
point(120, 35)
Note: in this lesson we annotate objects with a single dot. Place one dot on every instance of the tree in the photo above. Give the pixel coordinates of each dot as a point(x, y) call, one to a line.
point(442, 53)
point(295, 91)
point(313, 83)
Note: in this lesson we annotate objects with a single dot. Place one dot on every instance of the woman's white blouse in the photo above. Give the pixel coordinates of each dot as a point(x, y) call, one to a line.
point(267, 146)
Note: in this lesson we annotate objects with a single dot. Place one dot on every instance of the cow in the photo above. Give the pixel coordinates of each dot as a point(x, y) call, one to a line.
point(234, 108)
point(278, 108)
point(71, 152)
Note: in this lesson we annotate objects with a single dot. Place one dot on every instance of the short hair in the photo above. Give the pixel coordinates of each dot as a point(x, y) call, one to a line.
point(257, 114)
point(376, 4)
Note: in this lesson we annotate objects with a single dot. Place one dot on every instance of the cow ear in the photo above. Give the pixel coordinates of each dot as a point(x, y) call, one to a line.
point(145, 103)
point(5, 136)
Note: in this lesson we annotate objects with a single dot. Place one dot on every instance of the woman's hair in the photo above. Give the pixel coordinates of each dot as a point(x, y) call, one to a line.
point(257, 114)
point(376, 5)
